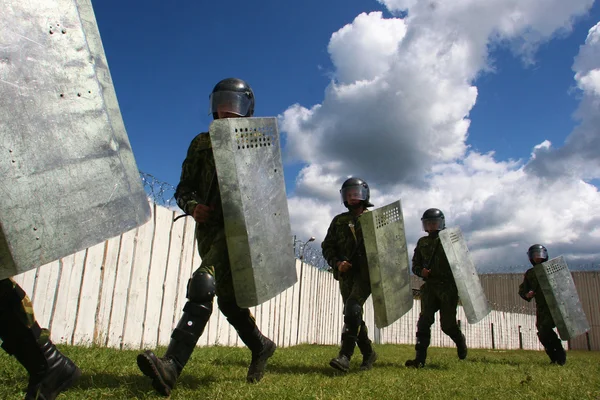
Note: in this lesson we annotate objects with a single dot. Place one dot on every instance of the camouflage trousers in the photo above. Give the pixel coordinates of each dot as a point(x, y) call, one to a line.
point(212, 246)
point(16, 315)
point(438, 297)
point(355, 289)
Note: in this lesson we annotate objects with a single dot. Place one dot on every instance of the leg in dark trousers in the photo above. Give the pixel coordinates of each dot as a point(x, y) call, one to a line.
point(50, 372)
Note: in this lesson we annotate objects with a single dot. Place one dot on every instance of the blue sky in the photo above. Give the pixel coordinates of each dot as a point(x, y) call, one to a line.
point(512, 81)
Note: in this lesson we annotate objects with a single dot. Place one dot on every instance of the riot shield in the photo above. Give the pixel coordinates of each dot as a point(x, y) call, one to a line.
point(68, 178)
point(470, 292)
point(387, 256)
point(257, 223)
point(560, 293)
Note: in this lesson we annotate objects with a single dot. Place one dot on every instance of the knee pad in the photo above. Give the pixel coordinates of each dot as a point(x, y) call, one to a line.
point(201, 288)
point(353, 314)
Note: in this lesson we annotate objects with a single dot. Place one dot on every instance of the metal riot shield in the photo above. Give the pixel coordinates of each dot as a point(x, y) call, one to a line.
point(68, 179)
point(560, 293)
point(387, 256)
point(470, 292)
point(257, 223)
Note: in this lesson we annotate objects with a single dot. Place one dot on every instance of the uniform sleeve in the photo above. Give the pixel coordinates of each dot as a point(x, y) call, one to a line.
point(329, 248)
point(417, 261)
point(526, 286)
point(185, 194)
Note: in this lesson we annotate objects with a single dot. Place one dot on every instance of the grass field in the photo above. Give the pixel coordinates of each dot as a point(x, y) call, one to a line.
point(302, 372)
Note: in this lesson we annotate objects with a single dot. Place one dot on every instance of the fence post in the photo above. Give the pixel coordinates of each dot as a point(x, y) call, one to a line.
point(493, 339)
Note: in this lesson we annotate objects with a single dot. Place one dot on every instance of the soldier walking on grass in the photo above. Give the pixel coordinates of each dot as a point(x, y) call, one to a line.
point(439, 292)
point(344, 250)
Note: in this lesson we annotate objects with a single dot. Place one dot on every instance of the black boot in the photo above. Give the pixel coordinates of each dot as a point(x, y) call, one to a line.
point(260, 356)
point(366, 349)
point(560, 355)
point(342, 361)
point(50, 372)
point(421, 352)
point(461, 346)
point(262, 348)
point(164, 371)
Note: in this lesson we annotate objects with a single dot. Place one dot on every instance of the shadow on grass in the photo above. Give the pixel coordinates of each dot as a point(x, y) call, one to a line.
point(485, 360)
point(137, 384)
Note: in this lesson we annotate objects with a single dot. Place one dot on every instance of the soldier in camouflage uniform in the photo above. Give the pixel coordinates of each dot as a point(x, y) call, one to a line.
point(198, 195)
point(344, 250)
point(439, 291)
point(50, 372)
point(530, 289)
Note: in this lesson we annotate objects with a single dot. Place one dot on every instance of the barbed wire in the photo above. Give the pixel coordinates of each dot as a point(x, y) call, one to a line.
point(309, 254)
point(161, 193)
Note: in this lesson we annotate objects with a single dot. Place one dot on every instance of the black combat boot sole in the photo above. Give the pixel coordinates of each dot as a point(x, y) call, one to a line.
point(64, 385)
point(257, 368)
point(334, 363)
point(147, 365)
point(368, 364)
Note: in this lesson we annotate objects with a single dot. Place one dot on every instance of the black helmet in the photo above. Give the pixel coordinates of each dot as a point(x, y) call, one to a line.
point(363, 193)
point(433, 215)
point(537, 251)
point(235, 95)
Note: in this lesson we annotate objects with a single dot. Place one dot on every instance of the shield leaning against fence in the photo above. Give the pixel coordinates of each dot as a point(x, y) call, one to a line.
point(68, 178)
point(560, 293)
point(387, 256)
point(257, 223)
point(470, 291)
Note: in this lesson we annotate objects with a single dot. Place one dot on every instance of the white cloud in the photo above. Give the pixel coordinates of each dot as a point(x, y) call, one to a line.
point(396, 114)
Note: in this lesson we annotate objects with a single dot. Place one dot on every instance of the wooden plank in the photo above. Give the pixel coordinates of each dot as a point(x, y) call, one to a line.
point(119, 298)
point(107, 287)
point(155, 283)
point(67, 301)
point(83, 334)
point(45, 292)
point(26, 281)
point(187, 266)
point(171, 282)
point(136, 295)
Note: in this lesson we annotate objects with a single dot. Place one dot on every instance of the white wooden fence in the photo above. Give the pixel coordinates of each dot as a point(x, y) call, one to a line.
point(128, 292)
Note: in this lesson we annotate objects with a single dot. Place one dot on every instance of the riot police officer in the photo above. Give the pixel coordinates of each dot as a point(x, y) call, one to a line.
point(439, 291)
point(344, 250)
point(198, 195)
point(544, 322)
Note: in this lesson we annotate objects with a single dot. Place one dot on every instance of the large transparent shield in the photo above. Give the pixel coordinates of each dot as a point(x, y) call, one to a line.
point(257, 223)
point(470, 291)
point(560, 293)
point(68, 178)
point(387, 255)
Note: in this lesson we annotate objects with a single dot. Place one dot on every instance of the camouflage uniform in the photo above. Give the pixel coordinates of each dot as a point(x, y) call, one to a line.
point(439, 292)
point(344, 242)
point(50, 372)
point(544, 321)
point(199, 185)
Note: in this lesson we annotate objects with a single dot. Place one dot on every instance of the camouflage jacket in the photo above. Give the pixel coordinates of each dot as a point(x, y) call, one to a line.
point(344, 242)
point(430, 254)
point(198, 182)
point(530, 283)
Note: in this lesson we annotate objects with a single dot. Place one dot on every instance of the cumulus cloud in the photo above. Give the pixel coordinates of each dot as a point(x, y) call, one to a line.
point(397, 114)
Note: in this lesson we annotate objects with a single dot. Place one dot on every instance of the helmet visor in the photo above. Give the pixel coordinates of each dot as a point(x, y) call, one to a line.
point(353, 193)
point(237, 103)
point(538, 254)
point(433, 224)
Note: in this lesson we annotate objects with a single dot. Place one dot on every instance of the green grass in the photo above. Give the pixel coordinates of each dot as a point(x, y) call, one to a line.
point(302, 372)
